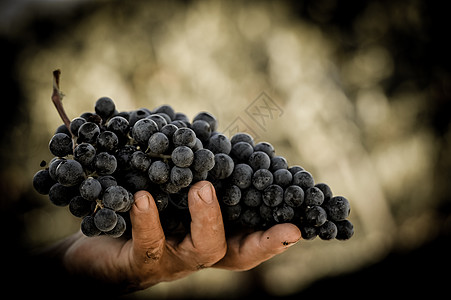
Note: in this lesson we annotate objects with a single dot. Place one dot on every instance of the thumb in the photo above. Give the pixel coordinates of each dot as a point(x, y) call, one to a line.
point(147, 233)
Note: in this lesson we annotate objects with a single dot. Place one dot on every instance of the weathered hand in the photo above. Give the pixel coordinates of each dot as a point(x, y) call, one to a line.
point(150, 257)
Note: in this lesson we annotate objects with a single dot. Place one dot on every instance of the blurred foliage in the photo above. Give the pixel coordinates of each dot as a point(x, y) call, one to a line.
point(362, 90)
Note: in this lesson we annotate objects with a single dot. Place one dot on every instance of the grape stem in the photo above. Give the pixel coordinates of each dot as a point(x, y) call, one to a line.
point(57, 97)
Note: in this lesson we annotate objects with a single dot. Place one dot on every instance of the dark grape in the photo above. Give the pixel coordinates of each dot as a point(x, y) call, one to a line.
point(181, 177)
point(75, 125)
point(159, 172)
point(88, 132)
point(104, 107)
point(304, 179)
point(42, 182)
point(107, 141)
point(313, 196)
point(219, 143)
point(184, 137)
point(327, 231)
point(105, 219)
point(337, 208)
point(262, 178)
point(232, 195)
point(60, 145)
point(158, 143)
point(242, 176)
point(315, 215)
point(223, 167)
point(88, 227)
point(90, 189)
point(105, 163)
point(204, 160)
point(115, 197)
point(70, 172)
point(273, 195)
point(265, 147)
point(345, 230)
point(259, 160)
point(84, 153)
point(182, 156)
point(80, 207)
point(294, 196)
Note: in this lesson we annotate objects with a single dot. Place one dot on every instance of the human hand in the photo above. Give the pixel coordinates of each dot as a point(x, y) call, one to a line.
point(150, 257)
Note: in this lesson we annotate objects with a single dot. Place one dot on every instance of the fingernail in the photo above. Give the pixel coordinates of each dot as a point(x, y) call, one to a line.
point(142, 202)
point(206, 193)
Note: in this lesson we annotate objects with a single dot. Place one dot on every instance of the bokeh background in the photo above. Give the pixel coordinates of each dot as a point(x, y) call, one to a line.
point(362, 91)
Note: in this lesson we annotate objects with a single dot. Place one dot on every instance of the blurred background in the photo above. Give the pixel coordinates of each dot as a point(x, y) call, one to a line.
point(356, 92)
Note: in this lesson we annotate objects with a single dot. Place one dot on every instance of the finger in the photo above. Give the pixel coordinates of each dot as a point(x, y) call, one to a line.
point(147, 233)
point(246, 252)
point(207, 235)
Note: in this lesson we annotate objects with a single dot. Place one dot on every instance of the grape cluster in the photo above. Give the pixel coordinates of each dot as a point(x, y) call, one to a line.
point(106, 156)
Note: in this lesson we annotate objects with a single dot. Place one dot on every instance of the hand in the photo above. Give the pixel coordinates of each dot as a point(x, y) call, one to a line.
point(150, 257)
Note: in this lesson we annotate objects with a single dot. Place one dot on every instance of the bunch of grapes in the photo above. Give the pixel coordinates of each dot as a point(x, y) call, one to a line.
point(104, 157)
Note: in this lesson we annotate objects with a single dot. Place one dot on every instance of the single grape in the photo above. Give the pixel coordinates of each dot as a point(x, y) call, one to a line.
point(242, 151)
point(294, 196)
point(273, 195)
point(70, 172)
point(182, 156)
point(308, 232)
point(158, 119)
point(223, 167)
point(90, 189)
point(259, 160)
point(107, 141)
point(105, 219)
point(304, 179)
point(202, 129)
point(88, 133)
point(283, 214)
point(158, 143)
point(105, 107)
point(139, 161)
point(315, 215)
point(105, 163)
point(159, 172)
point(88, 227)
point(345, 230)
point(219, 143)
point(143, 129)
point(232, 195)
point(184, 137)
point(242, 176)
point(327, 231)
point(282, 177)
point(278, 162)
point(115, 198)
point(181, 177)
point(337, 208)
point(61, 195)
point(60, 145)
point(84, 153)
point(80, 207)
point(252, 197)
point(262, 178)
point(313, 196)
point(265, 147)
point(42, 182)
point(204, 160)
